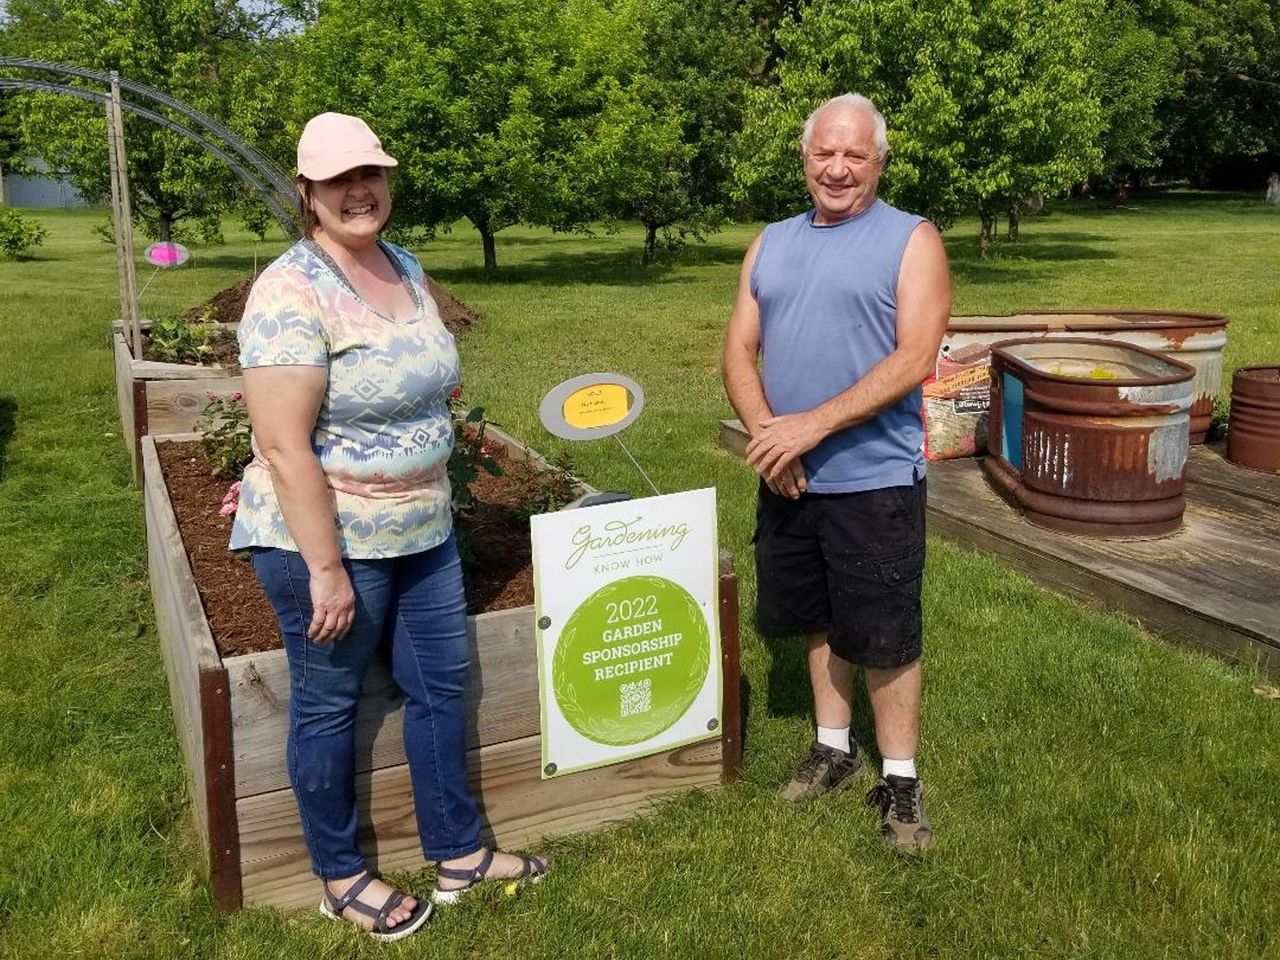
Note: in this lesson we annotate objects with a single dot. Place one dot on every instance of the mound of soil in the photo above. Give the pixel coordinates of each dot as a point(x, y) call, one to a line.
point(227, 306)
point(457, 316)
point(493, 533)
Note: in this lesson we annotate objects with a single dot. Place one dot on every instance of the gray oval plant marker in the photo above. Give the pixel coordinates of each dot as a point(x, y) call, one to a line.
point(551, 410)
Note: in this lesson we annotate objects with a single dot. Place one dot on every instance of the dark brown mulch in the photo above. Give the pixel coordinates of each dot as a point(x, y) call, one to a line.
point(494, 535)
point(239, 615)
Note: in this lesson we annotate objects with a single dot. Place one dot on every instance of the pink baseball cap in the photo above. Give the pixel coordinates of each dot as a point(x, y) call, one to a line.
point(333, 143)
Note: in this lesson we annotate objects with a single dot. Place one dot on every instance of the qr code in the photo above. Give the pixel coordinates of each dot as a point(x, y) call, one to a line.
point(637, 697)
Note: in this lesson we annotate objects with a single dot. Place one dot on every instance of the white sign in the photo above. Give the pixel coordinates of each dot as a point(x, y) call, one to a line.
point(627, 602)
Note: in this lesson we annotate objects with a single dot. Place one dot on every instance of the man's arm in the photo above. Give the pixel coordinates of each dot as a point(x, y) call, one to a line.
point(924, 307)
point(742, 376)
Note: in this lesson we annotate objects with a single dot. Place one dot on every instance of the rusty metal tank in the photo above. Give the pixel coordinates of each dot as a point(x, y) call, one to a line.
point(1253, 427)
point(1090, 436)
point(955, 399)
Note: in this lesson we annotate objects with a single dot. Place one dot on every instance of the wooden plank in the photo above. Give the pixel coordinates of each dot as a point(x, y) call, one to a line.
point(733, 437)
point(518, 451)
point(1171, 623)
point(174, 406)
point(219, 780)
point(198, 685)
point(501, 702)
point(1208, 466)
point(156, 370)
point(185, 641)
point(519, 807)
point(123, 360)
point(1198, 586)
point(730, 667)
point(1203, 568)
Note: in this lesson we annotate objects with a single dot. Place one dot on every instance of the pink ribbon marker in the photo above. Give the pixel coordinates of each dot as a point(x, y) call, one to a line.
point(166, 254)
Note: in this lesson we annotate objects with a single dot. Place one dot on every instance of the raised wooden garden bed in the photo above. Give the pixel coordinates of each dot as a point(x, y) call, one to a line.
point(161, 398)
point(231, 716)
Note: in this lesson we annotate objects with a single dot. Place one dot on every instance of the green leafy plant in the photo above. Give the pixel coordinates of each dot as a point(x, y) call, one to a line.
point(471, 455)
point(225, 436)
point(174, 340)
point(19, 235)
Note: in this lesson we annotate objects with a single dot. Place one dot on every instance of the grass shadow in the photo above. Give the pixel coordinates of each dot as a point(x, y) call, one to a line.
point(1029, 259)
point(605, 267)
point(8, 425)
point(231, 261)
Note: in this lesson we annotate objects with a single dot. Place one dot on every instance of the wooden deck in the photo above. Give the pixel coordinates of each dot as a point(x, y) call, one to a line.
point(1215, 585)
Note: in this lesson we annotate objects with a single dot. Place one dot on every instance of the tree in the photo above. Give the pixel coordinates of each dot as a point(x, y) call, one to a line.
point(200, 51)
point(482, 102)
point(1227, 103)
point(988, 101)
point(1133, 69)
point(662, 147)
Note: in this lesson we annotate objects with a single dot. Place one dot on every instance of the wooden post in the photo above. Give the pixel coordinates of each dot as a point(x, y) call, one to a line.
point(122, 213)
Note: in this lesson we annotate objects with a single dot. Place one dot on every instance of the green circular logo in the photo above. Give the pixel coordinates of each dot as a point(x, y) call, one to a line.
point(631, 660)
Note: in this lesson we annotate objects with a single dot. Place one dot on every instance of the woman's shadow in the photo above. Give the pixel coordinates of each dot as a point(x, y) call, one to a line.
point(8, 421)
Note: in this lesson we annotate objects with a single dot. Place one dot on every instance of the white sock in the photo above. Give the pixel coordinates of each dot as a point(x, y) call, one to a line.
point(899, 768)
point(837, 738)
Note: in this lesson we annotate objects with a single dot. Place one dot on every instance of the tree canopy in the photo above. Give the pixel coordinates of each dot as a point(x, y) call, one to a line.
point(569, 113)
point(987, 101)
point(482, 102)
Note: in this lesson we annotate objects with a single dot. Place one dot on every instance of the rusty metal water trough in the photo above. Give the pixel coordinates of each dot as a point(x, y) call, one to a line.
point(1090, 437)
point(1253, 428)
point(955, 399)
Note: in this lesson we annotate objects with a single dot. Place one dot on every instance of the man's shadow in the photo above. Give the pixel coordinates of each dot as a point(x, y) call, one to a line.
point(791, 694)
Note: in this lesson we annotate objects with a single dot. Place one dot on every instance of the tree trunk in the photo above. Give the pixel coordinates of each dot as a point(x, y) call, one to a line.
point(164, 226)
point(987, 216)
point(490, 249)
point(1015, 215)
point(650, 241)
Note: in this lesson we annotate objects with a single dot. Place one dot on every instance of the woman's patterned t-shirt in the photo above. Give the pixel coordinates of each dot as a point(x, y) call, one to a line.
point(383, 434)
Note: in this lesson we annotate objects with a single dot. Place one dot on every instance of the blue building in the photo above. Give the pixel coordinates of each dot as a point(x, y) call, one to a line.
point(47, 188)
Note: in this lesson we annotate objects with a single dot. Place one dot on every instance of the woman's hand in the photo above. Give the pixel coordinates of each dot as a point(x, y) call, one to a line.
point(333, 605)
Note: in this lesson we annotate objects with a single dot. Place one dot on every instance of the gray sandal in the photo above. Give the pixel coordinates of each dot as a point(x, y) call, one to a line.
point(533, 870)
point(333, 906)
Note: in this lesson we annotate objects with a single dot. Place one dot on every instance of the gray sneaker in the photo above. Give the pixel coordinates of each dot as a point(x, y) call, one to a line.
point(823, 770)
point(902, 820)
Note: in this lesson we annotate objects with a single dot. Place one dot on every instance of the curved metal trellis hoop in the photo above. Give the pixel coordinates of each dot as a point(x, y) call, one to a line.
point(268, 181)
point(268, 194)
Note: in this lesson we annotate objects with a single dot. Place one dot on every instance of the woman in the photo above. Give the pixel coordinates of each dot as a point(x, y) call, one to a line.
point(346, 505)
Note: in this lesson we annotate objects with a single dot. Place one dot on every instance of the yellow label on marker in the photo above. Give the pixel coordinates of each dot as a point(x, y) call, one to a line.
point(599, 405)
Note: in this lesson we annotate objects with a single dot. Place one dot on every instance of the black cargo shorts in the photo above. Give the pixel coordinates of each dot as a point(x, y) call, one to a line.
point(846, 564)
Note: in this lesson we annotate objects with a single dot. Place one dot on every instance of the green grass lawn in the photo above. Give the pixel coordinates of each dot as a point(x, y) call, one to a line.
point(1097, 793)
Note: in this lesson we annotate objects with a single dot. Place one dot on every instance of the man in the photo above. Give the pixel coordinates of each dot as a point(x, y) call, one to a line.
point(846, 304)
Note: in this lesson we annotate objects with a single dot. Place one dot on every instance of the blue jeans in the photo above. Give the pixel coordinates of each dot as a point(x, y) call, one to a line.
point(412, 609)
